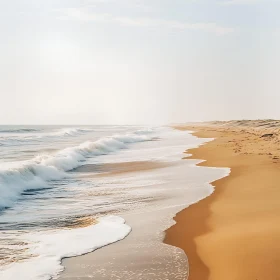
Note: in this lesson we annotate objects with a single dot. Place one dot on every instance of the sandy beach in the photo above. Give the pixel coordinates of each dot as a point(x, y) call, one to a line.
point(234, 234)
point(140, 140)
point(170, 223)
point(172, 186)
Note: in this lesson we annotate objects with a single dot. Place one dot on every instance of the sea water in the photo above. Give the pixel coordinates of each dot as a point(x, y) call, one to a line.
point(51, 207)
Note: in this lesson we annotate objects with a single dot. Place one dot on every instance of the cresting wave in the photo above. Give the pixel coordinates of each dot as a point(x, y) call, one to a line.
point(36, 173)
point(70, 132)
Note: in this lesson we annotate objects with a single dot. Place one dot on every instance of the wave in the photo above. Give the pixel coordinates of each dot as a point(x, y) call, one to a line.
point(19, 130)
point(38, 172)
point(49, 248)
point(145, 131)
point(71, 131)
point(17, 140)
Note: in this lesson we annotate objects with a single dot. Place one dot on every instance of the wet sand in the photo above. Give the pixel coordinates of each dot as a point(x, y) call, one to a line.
point(142, 255)
point(118, 168)
point(234, 234)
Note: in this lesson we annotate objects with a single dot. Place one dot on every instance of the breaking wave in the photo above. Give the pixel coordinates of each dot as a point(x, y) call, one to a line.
point(71, 131)
point(38, 172)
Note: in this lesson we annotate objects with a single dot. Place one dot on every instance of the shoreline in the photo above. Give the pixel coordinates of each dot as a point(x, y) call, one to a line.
point(233, 233)
point(142, 254)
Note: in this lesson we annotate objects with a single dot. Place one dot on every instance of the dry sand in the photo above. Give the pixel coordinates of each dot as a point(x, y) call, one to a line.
point(235, 233)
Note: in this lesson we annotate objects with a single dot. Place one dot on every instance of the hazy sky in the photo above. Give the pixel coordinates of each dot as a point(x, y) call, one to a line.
point(138, 61)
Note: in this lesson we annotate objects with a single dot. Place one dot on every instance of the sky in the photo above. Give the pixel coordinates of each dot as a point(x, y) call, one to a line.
point(138, 61)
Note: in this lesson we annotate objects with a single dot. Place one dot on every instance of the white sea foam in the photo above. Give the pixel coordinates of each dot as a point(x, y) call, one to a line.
point(70, 131)
point(35, 173)
point(49, 248)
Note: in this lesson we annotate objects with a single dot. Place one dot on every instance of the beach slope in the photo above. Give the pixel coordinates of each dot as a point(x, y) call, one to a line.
point(234, 234)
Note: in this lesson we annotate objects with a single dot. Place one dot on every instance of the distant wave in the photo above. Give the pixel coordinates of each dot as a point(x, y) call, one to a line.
point(70, 131)
point(12, 140)
point(36, 173)
point(63, 131)
point(18, 130)
point(145, 131)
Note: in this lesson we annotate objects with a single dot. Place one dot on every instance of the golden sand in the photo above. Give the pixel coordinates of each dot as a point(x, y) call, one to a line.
point(82, 222)
point(235, 233)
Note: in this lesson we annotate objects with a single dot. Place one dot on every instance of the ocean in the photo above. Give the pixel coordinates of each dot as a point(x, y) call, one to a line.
point(66, 190)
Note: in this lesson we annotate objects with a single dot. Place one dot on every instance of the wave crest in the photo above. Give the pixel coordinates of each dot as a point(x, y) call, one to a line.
point(70, 132)
point(36, 173)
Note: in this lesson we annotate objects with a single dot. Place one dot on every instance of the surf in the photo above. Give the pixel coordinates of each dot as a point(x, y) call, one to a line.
point(38, 172)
